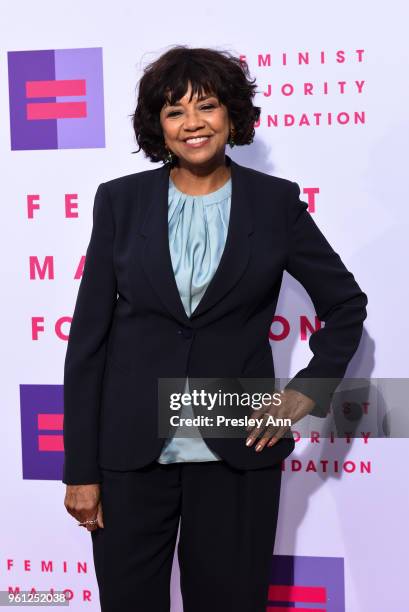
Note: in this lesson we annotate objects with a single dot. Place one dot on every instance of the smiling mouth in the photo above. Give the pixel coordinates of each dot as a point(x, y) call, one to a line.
point(196, 139)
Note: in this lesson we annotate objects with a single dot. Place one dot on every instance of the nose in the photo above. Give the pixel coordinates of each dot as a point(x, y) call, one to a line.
point(192, 120)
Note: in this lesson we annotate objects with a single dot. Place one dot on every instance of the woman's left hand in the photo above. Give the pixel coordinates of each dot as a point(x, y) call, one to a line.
point(294, 405)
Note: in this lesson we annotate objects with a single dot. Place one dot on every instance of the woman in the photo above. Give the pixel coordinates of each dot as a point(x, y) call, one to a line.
point(181, 281)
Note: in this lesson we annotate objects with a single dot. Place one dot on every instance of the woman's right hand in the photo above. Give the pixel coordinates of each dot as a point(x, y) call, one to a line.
point(83, 502)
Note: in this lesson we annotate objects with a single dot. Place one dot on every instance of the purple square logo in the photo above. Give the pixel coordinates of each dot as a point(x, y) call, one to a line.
point(42, 431)
point(56, 99)
point(306, 584)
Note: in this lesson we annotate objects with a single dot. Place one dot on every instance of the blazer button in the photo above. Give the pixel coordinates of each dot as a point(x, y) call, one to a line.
point(185, 332)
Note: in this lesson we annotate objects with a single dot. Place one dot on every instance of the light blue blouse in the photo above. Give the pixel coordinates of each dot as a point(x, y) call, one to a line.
point(197, 235)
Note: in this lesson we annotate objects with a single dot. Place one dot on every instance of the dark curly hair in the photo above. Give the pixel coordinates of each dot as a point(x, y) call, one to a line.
point(209, 71)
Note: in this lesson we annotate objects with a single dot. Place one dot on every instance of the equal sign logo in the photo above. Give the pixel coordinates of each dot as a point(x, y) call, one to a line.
point(42, 431)
point(36, 111)
point(306, 584)
point(56, 99)
point(52, 442)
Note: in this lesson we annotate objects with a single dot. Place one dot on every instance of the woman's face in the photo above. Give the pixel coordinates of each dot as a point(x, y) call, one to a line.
point(203, 118)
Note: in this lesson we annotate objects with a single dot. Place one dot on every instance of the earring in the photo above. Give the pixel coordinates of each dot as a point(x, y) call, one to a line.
point(168, 156)
point(231, 138)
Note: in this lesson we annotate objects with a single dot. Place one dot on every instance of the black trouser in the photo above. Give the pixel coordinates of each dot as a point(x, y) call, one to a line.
point(227, 531)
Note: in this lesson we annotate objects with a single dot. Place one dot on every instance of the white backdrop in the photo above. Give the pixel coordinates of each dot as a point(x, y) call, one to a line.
point(358, 66)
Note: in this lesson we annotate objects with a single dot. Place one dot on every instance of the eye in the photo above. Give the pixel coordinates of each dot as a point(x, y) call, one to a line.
point(209, 105)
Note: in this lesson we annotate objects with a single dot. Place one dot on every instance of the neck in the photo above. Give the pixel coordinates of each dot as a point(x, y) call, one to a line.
point(200, 179)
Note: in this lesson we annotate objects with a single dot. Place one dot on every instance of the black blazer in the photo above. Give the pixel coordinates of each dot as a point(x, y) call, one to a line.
point(129, 326)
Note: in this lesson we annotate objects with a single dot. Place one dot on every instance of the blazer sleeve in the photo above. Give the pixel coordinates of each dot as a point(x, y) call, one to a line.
point(85, 356)
point(338, 301)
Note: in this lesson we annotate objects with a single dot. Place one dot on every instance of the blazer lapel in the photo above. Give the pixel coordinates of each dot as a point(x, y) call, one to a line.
point(156, 255)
